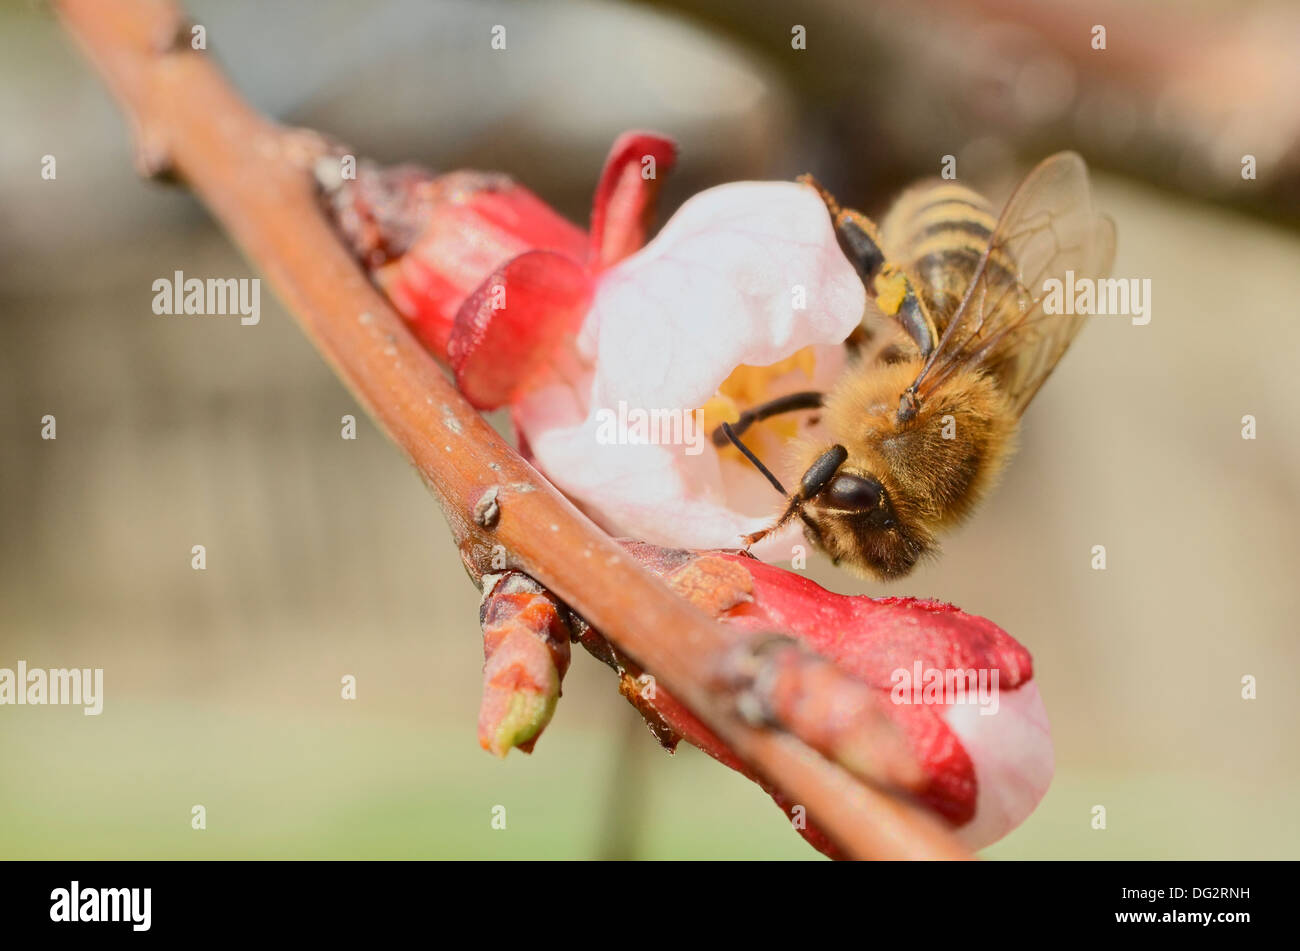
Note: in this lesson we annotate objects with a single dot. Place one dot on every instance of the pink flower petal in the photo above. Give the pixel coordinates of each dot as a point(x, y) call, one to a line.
point(720, 286)
point(1013, 757)
point(657, 493)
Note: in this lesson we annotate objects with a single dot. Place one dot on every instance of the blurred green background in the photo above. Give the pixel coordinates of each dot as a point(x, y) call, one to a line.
point(327, 557)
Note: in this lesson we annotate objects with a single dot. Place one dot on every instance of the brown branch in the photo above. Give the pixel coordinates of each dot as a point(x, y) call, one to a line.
point(255, 178)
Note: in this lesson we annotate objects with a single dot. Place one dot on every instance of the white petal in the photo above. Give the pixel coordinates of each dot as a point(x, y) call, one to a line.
point(1013, 757)
point(717, 288)
point(655, 493)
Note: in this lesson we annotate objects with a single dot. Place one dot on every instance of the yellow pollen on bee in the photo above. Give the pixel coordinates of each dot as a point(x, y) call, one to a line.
point(890, 288)
point(748, 386)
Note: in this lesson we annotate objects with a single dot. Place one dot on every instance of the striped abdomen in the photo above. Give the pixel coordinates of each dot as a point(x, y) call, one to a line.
point(939, 232)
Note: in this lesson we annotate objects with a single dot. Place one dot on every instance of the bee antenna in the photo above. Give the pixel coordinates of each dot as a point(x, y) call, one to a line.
point(757, 463)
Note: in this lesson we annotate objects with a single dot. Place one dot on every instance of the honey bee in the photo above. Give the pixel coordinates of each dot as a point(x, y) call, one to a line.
point(926, 415)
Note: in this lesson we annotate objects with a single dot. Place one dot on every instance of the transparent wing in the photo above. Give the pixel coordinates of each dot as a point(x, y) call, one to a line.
point(1049, 227)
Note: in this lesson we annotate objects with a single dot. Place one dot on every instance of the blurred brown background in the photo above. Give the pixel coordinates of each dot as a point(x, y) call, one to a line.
point(326, 557)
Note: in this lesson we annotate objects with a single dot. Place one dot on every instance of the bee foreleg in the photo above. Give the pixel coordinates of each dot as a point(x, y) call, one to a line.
point(791, 510)
point(890, 287)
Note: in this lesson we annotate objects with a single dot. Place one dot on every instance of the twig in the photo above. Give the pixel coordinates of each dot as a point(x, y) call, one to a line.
point(255, 178)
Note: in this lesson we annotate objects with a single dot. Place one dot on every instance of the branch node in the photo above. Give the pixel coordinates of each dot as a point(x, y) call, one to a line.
point(173, 34)
point(487, 510)
point(152, 158)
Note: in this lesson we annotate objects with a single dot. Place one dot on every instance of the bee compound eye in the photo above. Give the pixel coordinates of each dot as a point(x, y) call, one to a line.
point(854, 492)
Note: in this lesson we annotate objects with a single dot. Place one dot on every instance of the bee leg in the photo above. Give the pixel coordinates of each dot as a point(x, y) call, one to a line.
point(795, 507)
point(831, 204)
point(889, 286)
point(791, 402)
point(858, 236)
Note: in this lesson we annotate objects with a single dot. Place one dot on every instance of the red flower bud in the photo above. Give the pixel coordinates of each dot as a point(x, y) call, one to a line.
point(867, 640)
point(526, 654)
point(490, 278)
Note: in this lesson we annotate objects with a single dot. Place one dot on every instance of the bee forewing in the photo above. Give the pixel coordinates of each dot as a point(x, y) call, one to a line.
point(1048, 228)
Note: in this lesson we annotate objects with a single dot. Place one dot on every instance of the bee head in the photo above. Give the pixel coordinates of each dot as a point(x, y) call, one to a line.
point(851, 515)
